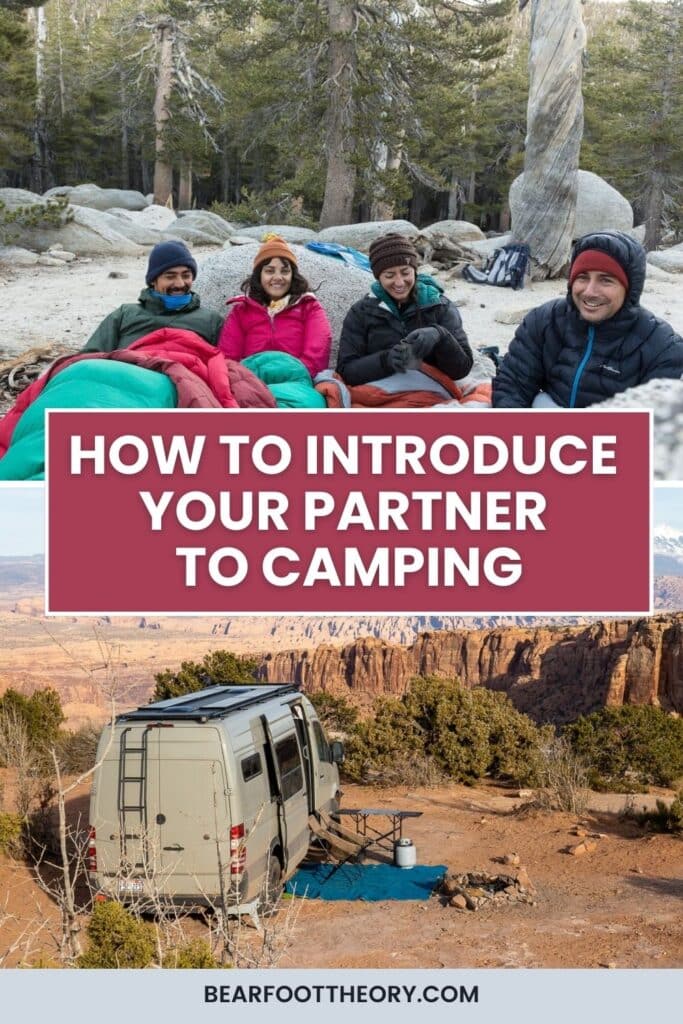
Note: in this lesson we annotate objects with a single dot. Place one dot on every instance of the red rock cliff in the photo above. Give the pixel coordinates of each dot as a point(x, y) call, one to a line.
point(551, 673)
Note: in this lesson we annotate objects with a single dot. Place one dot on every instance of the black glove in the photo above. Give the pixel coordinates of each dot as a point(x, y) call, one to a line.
point(399, 357)
point(422, 341)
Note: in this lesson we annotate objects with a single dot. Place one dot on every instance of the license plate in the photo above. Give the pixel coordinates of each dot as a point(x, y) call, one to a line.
point(131, 885)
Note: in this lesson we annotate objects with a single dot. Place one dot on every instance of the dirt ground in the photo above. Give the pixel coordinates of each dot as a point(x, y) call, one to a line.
point(617, 906)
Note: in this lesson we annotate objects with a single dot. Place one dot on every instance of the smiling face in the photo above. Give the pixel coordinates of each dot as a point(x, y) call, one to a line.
point(174, 281)
point(597, 295)
point(276, 278)
point(398, 282)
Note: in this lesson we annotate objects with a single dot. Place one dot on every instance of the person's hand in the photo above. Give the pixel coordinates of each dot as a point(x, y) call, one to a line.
point(399, 357)
point(422, 341)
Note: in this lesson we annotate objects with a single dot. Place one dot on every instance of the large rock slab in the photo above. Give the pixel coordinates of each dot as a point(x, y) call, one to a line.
point(670, 260)
point(128, 227)
point(665, 399)
point(14, 197)
point(289, 232)
point(205, 221)
point(180, 232)
point(336, 285)
point(487, 246)
point(657, 274)
point(88, 233)
point(456, 231)
point(15, 256)
point(97, 198)
point(359, 236)
point(599, 207)
point(153, 216)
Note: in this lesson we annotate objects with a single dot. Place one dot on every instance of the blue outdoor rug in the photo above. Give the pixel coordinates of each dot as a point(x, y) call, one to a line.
point(370, 882)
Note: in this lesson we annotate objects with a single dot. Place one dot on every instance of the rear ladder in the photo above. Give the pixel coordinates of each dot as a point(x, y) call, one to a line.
point(133, 775)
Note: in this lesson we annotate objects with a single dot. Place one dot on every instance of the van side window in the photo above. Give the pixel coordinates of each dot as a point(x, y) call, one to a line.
point(289, 761)
point(251, 767)
point(321, 743)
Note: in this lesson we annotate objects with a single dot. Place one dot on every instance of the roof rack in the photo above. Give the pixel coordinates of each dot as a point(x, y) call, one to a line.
point(214, 702)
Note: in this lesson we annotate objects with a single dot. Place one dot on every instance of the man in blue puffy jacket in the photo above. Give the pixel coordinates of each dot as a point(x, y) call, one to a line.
point(594, 343)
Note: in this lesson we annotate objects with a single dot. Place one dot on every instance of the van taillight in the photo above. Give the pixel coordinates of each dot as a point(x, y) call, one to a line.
point(238, 851)
point(91, 855)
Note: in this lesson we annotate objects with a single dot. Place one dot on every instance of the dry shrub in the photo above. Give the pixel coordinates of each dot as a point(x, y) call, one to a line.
point(564, 778)
point(665, 818)
point(406, 770)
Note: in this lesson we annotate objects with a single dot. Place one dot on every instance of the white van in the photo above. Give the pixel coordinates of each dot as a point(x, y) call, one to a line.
point(205, 799)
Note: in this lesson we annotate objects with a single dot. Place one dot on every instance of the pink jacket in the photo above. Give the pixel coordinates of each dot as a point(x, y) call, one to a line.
point(301, 329)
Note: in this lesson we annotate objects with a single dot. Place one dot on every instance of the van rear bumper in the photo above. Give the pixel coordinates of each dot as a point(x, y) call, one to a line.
point(140, 892)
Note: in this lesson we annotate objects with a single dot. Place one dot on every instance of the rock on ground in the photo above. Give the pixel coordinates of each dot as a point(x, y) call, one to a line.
point(456, 231)
point(665, 398)
point(205, 221)
point(188, 233)
point(670, 260)
point(289, 232)
point(15, 256)
point(131, 229)
point(153, 216)
point(487, 246)
point(599, 207)
point(336, 285)
point(100, 198)
point(359, 236)
point(512, 316)
point(88, 233)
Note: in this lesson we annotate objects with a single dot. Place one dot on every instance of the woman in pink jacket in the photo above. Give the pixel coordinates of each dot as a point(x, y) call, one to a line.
point(277, 313)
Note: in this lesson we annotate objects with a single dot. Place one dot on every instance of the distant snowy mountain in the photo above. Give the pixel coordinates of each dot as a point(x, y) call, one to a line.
point(667, 547)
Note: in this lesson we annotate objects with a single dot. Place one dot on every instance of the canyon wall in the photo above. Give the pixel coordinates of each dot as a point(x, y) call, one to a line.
point(550, 673)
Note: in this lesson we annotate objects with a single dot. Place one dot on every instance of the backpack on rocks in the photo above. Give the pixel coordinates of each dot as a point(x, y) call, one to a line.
point(506, 267)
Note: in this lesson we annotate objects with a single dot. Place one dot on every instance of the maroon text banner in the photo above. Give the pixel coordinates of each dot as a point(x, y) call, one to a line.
point(336, 512)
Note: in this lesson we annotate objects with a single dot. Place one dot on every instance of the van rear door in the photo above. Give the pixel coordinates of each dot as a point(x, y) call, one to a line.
point(188, 809)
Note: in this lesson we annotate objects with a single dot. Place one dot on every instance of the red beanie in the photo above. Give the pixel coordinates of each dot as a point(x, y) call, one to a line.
point(595, 259)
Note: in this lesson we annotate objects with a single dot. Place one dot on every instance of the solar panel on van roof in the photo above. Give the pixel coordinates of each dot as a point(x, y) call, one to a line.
point(213, 702)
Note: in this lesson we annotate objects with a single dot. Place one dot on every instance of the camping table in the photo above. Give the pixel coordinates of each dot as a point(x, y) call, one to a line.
point(386, 838)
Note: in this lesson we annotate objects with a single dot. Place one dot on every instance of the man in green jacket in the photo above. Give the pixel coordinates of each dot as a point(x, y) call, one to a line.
point(167, 301)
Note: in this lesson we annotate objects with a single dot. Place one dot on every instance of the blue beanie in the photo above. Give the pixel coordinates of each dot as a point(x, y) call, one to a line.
point(165, 255)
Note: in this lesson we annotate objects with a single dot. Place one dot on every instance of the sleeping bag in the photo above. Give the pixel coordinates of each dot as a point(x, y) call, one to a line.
point(86, 384)
point(287, 378)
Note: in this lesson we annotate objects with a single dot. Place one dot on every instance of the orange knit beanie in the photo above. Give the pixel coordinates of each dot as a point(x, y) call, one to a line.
point(274, 245)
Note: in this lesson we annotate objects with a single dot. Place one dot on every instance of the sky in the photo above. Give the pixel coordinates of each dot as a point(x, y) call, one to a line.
point(22, 520)
point(668, 508)
point(22, 516)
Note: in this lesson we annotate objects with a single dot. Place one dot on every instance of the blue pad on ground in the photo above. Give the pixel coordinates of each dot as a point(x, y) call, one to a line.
point(341, 252)
point(370, 882)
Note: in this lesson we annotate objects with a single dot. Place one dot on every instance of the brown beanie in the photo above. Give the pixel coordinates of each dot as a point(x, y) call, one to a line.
point(392, 250)
point(274, 245)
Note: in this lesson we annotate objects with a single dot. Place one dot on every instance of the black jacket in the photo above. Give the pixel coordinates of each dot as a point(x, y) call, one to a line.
point(371, 328)
point(576, 363)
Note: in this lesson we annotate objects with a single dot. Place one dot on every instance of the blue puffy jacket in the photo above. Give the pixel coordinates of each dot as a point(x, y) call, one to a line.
point(577, 363)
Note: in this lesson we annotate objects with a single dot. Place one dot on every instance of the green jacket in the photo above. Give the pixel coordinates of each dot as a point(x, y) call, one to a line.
point(133, 320)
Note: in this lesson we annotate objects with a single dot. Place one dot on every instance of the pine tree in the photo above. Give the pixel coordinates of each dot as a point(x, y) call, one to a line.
point(634, 112)
point(17, 91)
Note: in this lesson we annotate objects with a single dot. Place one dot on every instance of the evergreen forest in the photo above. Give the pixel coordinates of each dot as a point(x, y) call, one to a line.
point(323, 112)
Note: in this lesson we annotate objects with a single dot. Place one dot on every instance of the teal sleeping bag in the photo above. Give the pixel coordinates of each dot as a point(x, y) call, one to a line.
point(287, 379)
point(87, 384)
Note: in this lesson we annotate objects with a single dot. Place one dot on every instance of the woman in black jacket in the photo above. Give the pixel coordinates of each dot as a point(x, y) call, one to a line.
point(596, 342)
point(404, 321)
